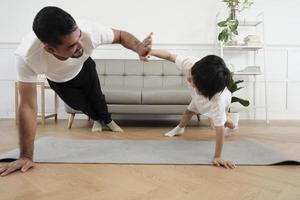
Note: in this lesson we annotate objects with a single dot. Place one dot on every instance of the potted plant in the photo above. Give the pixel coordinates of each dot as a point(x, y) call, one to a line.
point(233, 87)
point(230, 25)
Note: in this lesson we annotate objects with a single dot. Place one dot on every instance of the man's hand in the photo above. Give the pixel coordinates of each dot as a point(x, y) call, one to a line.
point(129, 41)
point(223, 163)
point(144, 48)
point(22, 164)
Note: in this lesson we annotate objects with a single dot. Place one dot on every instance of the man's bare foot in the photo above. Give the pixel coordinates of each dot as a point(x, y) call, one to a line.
point(97, 127)
point(114, 127)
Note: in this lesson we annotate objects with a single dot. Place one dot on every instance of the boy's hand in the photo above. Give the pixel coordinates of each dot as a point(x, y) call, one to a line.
point(223, 163)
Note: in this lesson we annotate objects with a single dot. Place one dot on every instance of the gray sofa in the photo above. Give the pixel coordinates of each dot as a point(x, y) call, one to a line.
point(136, 87)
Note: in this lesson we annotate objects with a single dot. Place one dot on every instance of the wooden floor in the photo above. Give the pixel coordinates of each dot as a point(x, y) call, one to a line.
point(106, 181)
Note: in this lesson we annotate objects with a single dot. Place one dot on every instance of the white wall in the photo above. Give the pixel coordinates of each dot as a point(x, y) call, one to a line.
point(172, 21)
point(177, 24)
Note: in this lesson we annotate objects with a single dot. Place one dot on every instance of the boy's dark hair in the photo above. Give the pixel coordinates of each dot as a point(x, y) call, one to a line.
point(210, 75)
point(51, 23)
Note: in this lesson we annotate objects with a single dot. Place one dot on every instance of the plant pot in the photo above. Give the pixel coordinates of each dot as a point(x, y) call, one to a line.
point(232, 40)
point(234, 117)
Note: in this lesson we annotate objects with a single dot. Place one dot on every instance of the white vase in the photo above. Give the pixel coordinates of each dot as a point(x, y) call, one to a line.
point(233, 16)
point(233, 13)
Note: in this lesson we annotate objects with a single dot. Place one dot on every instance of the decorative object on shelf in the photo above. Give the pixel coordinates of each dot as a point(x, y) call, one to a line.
point(233, 87)
point(252, 40)
point(230, 25)
point(250, 70)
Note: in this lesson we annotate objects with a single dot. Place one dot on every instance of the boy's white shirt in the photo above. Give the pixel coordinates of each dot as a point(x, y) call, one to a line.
point(216, 107)
point(32, 59)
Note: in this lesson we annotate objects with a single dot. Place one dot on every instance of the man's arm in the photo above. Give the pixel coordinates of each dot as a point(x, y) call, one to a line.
point(129, 41)
point(27, 112)
point(218, 150)
point(163, 55)
point(27, 117)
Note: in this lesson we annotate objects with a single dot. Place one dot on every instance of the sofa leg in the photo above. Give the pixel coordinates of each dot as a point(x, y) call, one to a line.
point(71, 119)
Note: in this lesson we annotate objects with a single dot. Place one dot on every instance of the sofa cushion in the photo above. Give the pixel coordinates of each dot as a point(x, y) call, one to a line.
point(166, 96)
point(122, 95)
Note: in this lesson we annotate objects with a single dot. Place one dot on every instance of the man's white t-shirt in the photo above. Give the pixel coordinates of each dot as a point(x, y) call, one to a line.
point(32, 59)
point(216, 107)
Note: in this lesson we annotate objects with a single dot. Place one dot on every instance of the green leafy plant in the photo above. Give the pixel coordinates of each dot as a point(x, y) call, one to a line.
point(233, 87)
point(238, 4)
point(230, 25)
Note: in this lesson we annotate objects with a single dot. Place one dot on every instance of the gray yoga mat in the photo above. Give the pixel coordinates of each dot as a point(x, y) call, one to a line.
point(58, 150)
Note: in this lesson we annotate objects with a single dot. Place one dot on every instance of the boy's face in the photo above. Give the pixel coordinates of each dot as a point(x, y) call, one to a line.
point(71, 46)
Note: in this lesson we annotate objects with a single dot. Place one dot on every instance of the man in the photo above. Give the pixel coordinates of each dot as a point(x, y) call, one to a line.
point(60, 48)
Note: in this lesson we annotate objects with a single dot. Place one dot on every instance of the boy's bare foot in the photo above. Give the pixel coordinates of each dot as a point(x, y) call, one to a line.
point(230, 128)
point(175, 131)
point(230, 124)
point(230, 131)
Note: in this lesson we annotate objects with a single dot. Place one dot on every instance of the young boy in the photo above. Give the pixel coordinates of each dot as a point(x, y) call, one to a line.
point(207, 82)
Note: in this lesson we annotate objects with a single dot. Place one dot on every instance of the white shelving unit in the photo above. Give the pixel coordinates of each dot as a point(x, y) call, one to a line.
point(254, 24)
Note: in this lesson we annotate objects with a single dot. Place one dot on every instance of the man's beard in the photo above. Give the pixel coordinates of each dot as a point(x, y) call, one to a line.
point(77, 54)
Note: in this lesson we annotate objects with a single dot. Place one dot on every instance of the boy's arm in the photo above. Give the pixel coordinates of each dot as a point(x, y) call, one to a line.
point(218, 150)
point(163, 55)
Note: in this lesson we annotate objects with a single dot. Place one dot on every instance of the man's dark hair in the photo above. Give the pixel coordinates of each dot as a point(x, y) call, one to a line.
point(210, 75)
point(51, 23)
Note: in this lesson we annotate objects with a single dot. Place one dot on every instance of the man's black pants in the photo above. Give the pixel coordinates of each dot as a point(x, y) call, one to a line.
point(84, 93)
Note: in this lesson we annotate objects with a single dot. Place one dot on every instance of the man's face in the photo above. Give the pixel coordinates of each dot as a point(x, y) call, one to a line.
point(71, 46)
